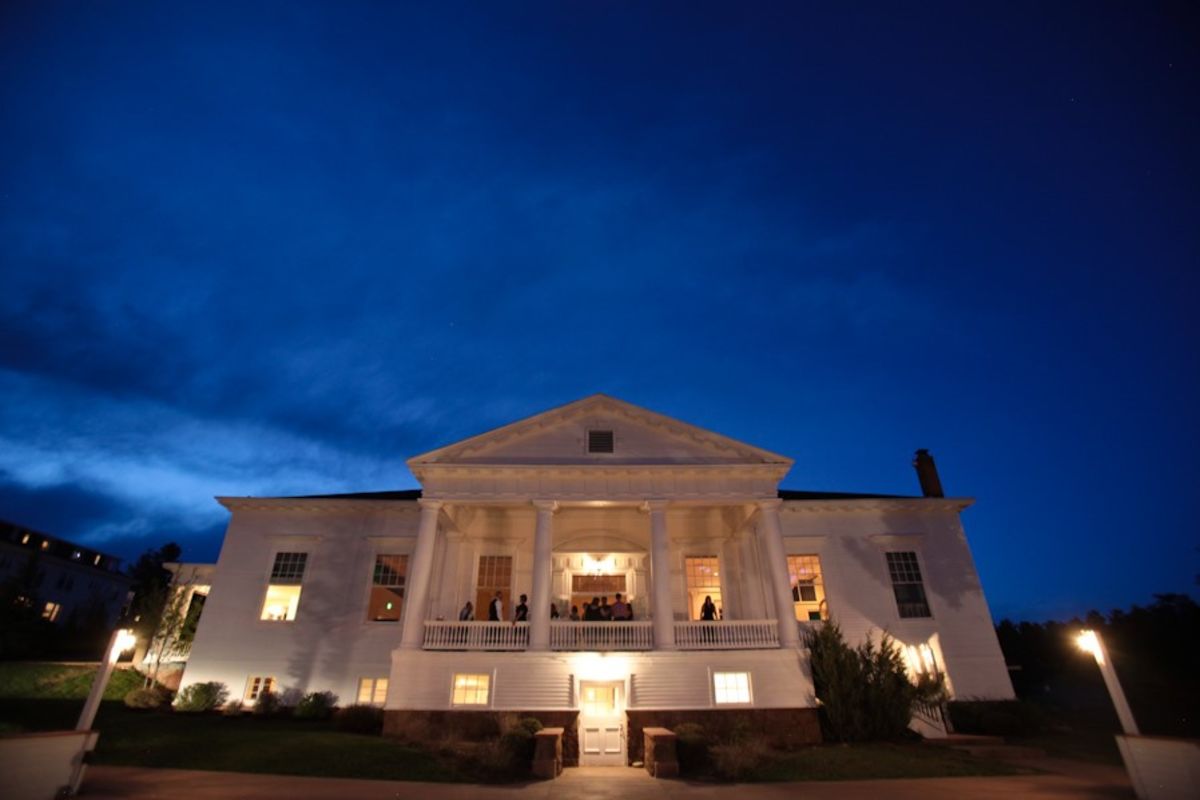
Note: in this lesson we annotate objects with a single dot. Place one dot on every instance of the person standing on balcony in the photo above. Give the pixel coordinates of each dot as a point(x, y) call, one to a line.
point(574, 613)
point(708, 611)
point(606, 614)
point(496, 609)
point(621, 612)
point(467, 613)
point(521, 613)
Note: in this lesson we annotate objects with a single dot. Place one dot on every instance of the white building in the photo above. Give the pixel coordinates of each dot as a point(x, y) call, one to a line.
point(361, 594)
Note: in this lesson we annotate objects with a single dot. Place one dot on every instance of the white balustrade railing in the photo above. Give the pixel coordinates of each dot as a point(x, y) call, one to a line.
point(602, 635)
point(750, 634)
point(476, 635)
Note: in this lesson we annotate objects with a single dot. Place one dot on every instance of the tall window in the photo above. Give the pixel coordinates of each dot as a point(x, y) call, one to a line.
point(808, 591)
point(907, 585)
point(470, 690)
point(495, 575)
point(703, 575)
point(283, 592)
point(387, 588)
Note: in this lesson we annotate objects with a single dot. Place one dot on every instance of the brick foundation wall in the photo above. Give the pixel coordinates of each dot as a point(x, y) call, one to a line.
point(419, 725)
point(784, 728)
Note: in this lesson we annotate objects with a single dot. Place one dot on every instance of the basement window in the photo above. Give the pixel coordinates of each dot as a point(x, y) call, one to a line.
point(731, 688)
point(600, 441)
point(470, 690)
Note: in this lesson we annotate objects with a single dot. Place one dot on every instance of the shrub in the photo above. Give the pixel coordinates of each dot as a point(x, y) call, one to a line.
point(202, 696)
point(691, 748)
point(740, 760)
point(267, 703)
point(864, 691)
point(233, 709)
point(997, 717)
point(359, 719)
point(154, 697)
point(518, 743)
point(315, 705)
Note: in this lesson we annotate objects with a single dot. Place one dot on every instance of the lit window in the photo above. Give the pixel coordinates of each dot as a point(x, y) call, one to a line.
point(495, 575)
point(51, 610)
point(731, 687)
point(905, 573)
point(25, 539)
point(283, 593)
point(471, 690)
point(372, 691)
point(281, 603)
point(45, 544)
point(96, 560)
point(256, 685)
point(387, 588)
point(808, 591)
point(703, 575)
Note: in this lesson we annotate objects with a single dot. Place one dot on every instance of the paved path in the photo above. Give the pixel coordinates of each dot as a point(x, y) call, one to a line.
point(1074, 780)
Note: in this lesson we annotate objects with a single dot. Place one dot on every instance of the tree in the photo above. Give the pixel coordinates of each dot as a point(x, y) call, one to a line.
point(151, 593)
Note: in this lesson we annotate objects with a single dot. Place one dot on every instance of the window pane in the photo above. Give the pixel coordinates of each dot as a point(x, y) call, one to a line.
point(366, 687)
point(905, 573)
point(471, 690)
point(387, 589)
point(281, 603)
point(381, 687)
point(731, 687)
point(289, 567)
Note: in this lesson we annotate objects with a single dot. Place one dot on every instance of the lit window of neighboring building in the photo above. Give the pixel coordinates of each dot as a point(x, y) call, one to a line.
point(387, 588)
point(470, 690)
point(731, 687)
point(256, 685)
point(283, 592)
point(51, 610)
point(372, 691)
point(907, 585)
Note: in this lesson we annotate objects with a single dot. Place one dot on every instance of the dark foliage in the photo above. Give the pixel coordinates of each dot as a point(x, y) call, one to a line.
point(315, 705)
point(1153, 650)
point(202, 696)
point(359, 719)
point(691, 748)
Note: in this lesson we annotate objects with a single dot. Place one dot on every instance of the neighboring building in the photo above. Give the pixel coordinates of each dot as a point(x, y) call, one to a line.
point(361, 593)
point(64, 582)
point(168, 650)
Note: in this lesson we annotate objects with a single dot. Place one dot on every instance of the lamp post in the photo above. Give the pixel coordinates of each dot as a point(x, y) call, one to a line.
point(120, 641)
point(1090, 642)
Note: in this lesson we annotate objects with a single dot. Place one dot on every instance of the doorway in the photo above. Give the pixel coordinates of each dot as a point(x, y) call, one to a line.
point(602, 723)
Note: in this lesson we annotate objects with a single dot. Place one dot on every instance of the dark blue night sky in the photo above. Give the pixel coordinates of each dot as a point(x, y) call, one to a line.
point(279, 248)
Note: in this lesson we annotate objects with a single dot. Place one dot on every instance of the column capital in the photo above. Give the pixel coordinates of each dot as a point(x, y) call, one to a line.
point(545, 505)
point(657, 504)
point(430, 503)
point(772, 503)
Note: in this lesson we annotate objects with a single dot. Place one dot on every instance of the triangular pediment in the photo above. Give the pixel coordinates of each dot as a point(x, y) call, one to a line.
point(560, 436)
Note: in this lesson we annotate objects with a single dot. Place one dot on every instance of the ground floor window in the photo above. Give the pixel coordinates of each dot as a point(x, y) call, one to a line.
point(470, 689)
point(256, 685)
point(808, 590)
point(372, 691)
point(731, 687)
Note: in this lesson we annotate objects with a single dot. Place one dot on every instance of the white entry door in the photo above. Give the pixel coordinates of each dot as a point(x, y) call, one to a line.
point(602, 723)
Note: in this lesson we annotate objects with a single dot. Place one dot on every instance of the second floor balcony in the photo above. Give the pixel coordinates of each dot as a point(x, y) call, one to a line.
point(602, 636)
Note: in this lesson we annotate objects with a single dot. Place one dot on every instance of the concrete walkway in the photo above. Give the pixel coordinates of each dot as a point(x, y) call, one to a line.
point(1071, 780)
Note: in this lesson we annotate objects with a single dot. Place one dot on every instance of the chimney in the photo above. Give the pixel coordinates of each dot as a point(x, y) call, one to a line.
point(931, 485)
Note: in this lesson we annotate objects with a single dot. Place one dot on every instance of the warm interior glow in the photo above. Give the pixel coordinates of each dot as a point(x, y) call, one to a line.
point(599, 566)
point(731, 687)
point(281, 602)
point(471, 690)
point(600, 666)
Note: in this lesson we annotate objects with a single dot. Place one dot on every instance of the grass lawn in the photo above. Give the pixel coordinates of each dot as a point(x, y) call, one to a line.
point(32, 680)
point(868, 761)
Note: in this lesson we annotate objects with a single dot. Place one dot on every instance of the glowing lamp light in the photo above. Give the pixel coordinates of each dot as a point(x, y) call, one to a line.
point(599, 566)
point(125, 640)
point(1088, 643)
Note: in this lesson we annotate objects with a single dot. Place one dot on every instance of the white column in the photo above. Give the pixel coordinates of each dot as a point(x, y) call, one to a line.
point(416, 583)
point(771, 535)
point(543, 546)
point(660, 576)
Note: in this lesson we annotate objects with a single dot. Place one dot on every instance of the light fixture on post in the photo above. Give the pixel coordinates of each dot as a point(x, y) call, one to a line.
point(120, 641)
point(1089, 641)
